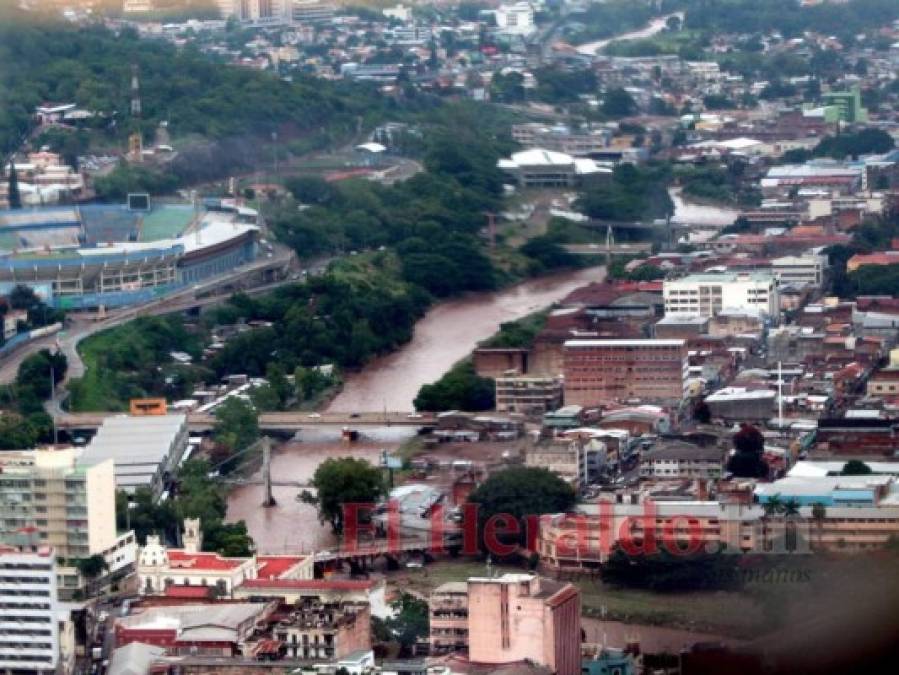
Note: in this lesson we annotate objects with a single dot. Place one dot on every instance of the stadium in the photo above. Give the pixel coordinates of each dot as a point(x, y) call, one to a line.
point(88, 256)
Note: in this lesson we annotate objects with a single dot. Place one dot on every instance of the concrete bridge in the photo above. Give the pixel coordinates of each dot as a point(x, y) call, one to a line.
point(268, 422)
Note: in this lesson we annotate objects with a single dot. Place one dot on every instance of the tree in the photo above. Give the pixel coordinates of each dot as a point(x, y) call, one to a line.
point(344, 480)
point(747, 461)
point(91, 567)
point(35, 371)
point(547, 253)
point(855, 467)
point(668, 571)
point(409, 621)
point(460, 389)
point(14, 197)
point(518, 493)
point(618, 103)
point(236, 424)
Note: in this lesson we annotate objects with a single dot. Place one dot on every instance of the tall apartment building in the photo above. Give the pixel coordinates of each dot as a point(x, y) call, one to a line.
point(519, 617)
point(709, 293)
point(256, 12)
point(448, 613)
point(311, 11)
point(29, 629)
point(70, 507)
point(599, 371)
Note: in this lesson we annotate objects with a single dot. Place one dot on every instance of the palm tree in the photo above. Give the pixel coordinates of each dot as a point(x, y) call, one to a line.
point(819, 513)
point(772, 506)
point(790, 508)
point(790, 512)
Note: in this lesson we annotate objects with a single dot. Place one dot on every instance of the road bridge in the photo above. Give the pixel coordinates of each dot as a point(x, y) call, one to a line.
point(268, 422)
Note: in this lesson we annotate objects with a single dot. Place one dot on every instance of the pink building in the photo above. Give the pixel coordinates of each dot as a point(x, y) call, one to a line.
point(519, 617)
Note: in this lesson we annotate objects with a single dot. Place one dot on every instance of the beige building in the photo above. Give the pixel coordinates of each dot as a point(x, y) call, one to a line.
point(518, 617)
point(528, 395)
point(448, 605)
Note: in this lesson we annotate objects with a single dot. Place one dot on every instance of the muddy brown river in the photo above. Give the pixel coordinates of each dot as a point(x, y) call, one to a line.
point(446, 334)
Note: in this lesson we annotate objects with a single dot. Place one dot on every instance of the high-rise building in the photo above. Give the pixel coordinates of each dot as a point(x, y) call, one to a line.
point(518, 617)
point(68, 506)
point(256, 12)
point(598, 371)
point(29, 629)
point(311, 11)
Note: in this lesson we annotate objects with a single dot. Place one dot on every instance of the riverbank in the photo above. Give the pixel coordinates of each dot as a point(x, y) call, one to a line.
point(447, 333)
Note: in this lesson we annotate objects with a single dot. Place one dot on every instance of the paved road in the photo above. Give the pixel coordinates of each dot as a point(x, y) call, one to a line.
point(80, 327)
point(278, 421)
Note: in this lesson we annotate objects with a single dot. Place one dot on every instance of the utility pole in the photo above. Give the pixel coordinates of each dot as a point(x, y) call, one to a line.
point(268, 499)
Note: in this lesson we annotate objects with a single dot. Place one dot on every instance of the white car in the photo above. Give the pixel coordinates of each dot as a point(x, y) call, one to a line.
point(313, 416)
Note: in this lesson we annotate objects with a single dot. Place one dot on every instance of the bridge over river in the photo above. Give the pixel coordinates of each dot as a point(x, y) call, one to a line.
point(268, 422)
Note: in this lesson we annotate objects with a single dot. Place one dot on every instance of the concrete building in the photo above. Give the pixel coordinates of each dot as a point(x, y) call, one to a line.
point(528, 395)
point(29, 629)
point(560, 138)
point(803, 270)
point(847, 106)
point(617, 370)
point(311, 12)
point(202, 629)
point(160, 568)
point(519, 617)
point(707, 294)
point(448, 612)
point(884, 383)
point(741, 404)
point(682, 460)
point(146, 449)
point(515, 19)
point(325, 631)
point(325, 591)
point(538, 167)
point(71, 508)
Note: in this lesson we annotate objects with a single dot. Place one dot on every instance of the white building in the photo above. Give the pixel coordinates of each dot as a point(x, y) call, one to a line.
point(256, 12)
point(69, 507)
point(144, 448)
point(707, 294)
point(515, 19)
point(803, 270)
point(538, 167)
point(29, 620)
point(159, 568)
point(136, 6)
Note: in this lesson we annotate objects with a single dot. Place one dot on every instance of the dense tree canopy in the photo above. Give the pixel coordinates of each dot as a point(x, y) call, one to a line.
point(461, 388)
point(518, 493)
point(345, 481)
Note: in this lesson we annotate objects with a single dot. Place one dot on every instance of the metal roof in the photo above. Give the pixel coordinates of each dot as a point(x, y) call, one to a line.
point(137, 445)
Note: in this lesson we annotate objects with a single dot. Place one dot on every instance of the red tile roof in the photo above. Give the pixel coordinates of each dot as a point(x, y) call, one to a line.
point(202, 561)
point(273, 566)
point(310, 584)
point(188, 592)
